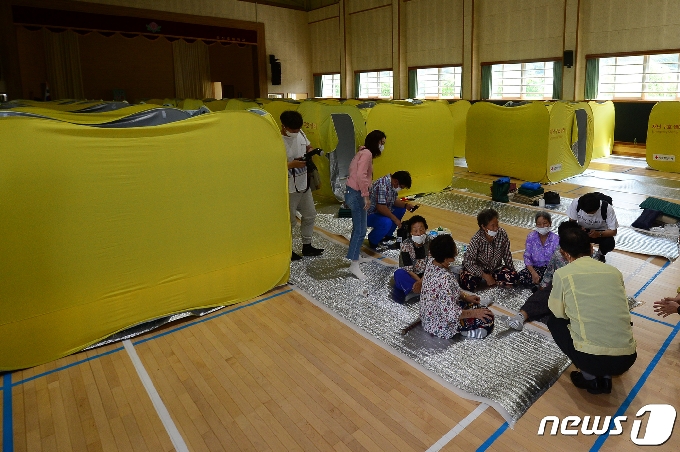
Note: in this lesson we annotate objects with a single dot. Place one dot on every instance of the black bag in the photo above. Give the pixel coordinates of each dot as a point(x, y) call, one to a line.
point(551, 197)
point(646, 219)
point(606, 202)
point(499, 191)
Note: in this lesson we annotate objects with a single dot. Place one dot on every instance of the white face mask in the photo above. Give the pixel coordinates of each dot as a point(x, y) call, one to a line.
point(398, 189)
point(543, 231)
point(381, 147)
point(492, 233)
point(291, 134)
point(418, 239)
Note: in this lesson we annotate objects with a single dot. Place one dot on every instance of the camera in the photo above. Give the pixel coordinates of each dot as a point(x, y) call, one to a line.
point(308, 155)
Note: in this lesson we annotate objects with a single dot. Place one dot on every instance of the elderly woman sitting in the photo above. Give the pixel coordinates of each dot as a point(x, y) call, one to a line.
point(488, 258)
point(413, 259)
point(444, 309)
point(540, 246)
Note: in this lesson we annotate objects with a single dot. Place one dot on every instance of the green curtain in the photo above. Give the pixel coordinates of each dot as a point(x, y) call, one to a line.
point(592, 78)
point(318, 85)
point(557, 80)
point(486, 81)
point(412, 83)
point(357, 87)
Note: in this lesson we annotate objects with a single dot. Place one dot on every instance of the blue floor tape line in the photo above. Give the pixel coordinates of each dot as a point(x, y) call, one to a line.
point(490, 440)
point(165, 333)
point(638, 386)
point(653, 319)
point(643, 288)
point(26, 380)
point(7, 424)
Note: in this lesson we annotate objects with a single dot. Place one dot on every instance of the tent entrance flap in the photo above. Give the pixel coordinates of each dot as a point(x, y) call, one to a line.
point(342, 155)
point(579, 146)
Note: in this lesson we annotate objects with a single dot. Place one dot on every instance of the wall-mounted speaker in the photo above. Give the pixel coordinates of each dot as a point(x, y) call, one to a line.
point(276, 70)
point(568, 58)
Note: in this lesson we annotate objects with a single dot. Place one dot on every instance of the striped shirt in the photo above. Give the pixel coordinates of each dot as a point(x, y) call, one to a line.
point(484, 256)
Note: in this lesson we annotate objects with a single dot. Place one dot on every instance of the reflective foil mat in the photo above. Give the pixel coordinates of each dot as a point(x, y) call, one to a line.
point(511, 369)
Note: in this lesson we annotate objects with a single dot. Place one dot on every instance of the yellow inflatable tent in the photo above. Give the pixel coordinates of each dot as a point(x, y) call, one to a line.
point(321, 125)
point(532, 142)
point(190, 104)
point(86, 118)
point(603, 123)
point(459, 112)
point(241, 104)
point(663, 137)
point(419, 140)
point(217, 105)
point(106, 228)
point(275, 108)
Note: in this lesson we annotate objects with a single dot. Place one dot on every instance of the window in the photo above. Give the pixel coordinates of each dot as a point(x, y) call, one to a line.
point(645, 77)
point(375, 85)
point(439, 83)
point(330, 85)
point(522, 80)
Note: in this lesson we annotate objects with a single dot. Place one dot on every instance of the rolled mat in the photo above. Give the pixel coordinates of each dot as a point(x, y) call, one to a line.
point(669, 208)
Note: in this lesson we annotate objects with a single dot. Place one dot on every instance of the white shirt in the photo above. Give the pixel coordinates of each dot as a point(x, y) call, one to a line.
point(594, 221)
point(296, 148)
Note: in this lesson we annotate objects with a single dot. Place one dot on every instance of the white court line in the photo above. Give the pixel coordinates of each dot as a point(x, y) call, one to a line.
point(518, 251)
point(170, 427)
point(444, 440)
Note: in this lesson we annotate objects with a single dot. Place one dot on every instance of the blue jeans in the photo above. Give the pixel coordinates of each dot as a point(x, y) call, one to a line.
point(382, 225)
point(355, 202)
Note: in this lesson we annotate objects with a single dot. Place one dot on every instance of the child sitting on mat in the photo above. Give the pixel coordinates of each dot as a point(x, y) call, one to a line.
point(413, 259)
point(444, 309)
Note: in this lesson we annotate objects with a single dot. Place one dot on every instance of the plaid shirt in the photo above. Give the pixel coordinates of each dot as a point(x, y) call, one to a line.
point(417, 265)
point(556, 262)
point(382, 192)
point(482, 255)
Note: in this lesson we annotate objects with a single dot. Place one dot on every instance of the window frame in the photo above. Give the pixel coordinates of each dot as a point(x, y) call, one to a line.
point(459, 96)
point(522, 62)
point(645, 66)
point(321, 74)
point(378, 71)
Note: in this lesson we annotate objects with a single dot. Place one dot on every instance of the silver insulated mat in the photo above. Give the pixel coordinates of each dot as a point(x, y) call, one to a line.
point(509, 369)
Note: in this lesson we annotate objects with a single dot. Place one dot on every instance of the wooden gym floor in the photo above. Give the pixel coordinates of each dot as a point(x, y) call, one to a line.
point(279, 373)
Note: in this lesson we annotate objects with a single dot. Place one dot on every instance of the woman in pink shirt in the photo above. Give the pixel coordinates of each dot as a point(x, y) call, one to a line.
point(356, 194)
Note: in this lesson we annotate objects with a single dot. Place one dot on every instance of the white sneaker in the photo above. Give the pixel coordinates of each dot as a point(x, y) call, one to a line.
point(363, 260)
point(356, 270)
point(479, 333)
point(516, 322)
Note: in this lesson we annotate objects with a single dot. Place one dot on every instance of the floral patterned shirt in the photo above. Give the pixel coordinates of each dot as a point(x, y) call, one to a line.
point(414, 258)
point(535, 253)
point(439, 307)
point(482, 255)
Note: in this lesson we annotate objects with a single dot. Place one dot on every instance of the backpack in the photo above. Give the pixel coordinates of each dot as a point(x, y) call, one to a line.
point(606, 202)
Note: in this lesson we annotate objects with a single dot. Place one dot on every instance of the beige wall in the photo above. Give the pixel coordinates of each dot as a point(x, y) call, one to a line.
point(434, 32)
point(326, 39)
point(370, 27)
point(286, 33)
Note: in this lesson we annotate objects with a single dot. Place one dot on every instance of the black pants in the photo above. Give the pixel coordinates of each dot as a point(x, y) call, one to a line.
point(598, 365)
point(536, 305)
point(606, 244)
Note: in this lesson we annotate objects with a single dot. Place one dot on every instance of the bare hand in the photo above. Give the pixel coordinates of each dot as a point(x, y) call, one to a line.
point(417, 286)
point(397, 221)
point(489, 279)
point(666, 307)
point(367, 203)
point(296, 164)
point(483, 314)
point(535, 277)
point(594, 234)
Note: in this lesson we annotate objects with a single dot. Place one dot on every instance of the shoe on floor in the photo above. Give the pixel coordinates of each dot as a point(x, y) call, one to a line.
point(309, 250)
point(356, 270)
point(599, 256)
point(598, 385)
point(478, 333)
point(516, 322)
point(364, 260)
point(295, 257)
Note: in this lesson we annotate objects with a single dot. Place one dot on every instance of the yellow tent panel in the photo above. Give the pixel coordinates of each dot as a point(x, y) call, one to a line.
point(275, 108)
point(107, 228)
point(86, 118)
point(190, 104)
point(241, 104)
point(419, 140)
point(459, 112)
point(663, 137)
point(603, 122)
